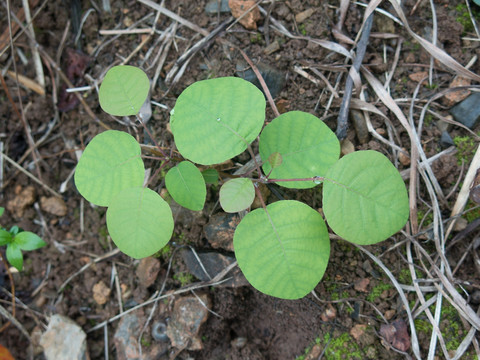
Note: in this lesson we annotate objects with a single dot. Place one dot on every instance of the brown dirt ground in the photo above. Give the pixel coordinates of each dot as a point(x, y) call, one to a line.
point(274, 329)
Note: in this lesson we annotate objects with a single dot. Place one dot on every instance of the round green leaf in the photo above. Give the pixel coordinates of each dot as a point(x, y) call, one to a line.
point(307, 147)
point(237, 195)
point(364, 199)
point(110, 163)
point(124, 90)
point(283, 251)
point(210, 176)
point(14, 256)
point(140, 222)
point(186, 185)
point(27, 240)
point(215, 120)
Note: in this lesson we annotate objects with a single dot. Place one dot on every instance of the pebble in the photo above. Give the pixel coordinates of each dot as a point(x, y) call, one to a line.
point(64, 340)
point(188, 315)
point(23, 199)
point(456, 96)
point(274, 78)
point(446, 140)
point(212, 7)
point(220, 229)
point(304, 15)
point(213, 263)
point(467, 112)
point(404, 158)
point(101, 293)
point(329, 314)
point(362, 285)
point(238, 8)
point(270, 49)
point(347, 147)
point(53, 205)
point(147, 271)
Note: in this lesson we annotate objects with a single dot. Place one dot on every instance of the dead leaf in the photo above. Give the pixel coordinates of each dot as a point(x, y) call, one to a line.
point(396, 334)
point(240, 7)
point(304, 15)
point(362, 285)
point(418, 76)
point(358, 330)
point(147, 271)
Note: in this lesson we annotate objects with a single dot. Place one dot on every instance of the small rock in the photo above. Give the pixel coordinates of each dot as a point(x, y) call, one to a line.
point(456, 96)
point(315, 353)
point(389, 314)
point(329, 314)
point(446, 140)
point(126, 336)
point(304, 15)
point(362, 285)
point(64, 340)
point(346, 147)
point(363, 334)
point(467, 112)
point(443, 125)
point(275, 79)
point(239, 342)
point(101, 293)
point(460, 224)
point(23, 199)
point(358, 330)
point(270, 49)
point(360, 126)
point(220, 229)
point(213, 263)
point(239, 7)
point(53, 205)
point(159, 331)
point(418, 76)
point(187, 316)
point(212, 7)
point(404, 158)
point(147, 271)
point(475, 297)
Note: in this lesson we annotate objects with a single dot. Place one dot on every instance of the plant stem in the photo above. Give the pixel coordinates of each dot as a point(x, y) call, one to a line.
point(151, 137)
point(315, 178)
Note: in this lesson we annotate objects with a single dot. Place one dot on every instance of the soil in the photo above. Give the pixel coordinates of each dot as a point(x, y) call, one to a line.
point(249, 325)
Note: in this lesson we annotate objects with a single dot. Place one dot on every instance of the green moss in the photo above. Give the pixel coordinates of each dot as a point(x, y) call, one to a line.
point(302, 29)
point(145, 342)
point(342, 347)
point(256, 39)
point(464, 17)
point(466, 147)
point(184, 278)
point(472, 214)
point(377, 291)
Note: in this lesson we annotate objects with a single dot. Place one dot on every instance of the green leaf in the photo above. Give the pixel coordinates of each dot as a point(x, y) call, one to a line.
point(5, 237)
point(124, 90)
point(237, 195)
point(283, 251)
point(110, 163)
point(139, 221)
point(14, 256)
point(27, 240)
point(364, 198)
point(307, 146)
point(1, 210)
point(214, 120)
point(186, 185)
point(210, 176)
point(275, 160)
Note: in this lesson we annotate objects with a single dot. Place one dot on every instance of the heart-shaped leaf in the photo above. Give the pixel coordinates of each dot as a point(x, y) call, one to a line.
point(139, 221)
point(237, 195)
point(364, 198)
point(306, 145)
point(283, 251)
point(186, 185)
point(214, 120)
point(110, 163)
point(124, 90)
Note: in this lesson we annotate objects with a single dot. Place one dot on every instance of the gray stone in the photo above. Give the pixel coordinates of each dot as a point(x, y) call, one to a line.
point(274, 78)
point(213, 263)
point(188, 315)
point(220, 229)
point(212, 6)
point(64, 340)
point(467, 112)
point(446, 140)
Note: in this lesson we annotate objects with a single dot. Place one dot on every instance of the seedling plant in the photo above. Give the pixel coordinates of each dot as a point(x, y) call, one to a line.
point(283, 247)
point(17, 240)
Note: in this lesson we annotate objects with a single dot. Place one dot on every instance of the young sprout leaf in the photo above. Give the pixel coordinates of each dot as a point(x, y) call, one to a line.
point(186, 185)
point(124, 90)
point(275, 159)
point(27, 240)
point(5, 237)
point(283, 251)
point(214, 120)
point(237, 195)
point(364, 198)
point(110, 163)
point(307, 146)
point(1, 210)
point(210, 176)
point(14, 256)
point(139, 221)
